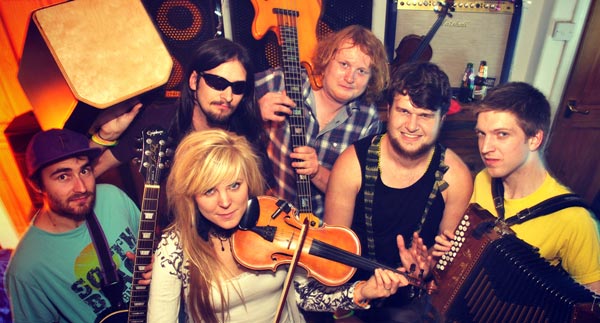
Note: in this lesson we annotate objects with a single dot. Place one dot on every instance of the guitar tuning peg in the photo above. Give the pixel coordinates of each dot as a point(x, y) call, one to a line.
point(167, 164)
point(169, 152)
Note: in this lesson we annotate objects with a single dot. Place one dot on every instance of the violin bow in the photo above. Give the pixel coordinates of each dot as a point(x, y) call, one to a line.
point(292, 269)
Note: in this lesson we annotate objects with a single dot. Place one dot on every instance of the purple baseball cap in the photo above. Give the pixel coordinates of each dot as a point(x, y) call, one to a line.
point(54, 145)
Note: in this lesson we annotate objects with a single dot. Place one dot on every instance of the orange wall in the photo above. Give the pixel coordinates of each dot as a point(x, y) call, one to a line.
point(14, 19)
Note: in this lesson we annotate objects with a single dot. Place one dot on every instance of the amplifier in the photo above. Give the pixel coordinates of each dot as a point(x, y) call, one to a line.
point(478, 30)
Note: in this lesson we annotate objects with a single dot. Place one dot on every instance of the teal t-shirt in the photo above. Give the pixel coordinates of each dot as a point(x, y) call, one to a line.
point(56, 277)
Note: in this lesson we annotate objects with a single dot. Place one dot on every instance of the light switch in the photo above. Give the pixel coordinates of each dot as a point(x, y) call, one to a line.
point(563, 30)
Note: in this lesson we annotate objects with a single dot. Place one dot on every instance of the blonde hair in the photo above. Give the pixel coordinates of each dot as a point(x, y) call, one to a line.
point(368, 44)
point(203, 160)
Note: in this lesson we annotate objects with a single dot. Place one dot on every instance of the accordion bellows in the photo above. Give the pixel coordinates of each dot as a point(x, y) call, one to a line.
point(490, 275)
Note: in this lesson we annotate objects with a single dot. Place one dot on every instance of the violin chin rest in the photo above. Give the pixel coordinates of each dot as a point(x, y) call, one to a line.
point(250, 218)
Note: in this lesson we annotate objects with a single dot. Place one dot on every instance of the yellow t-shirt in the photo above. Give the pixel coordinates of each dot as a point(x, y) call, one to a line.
point(569, 236)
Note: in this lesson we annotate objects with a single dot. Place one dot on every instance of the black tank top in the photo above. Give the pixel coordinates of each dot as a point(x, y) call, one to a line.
point(397, 211)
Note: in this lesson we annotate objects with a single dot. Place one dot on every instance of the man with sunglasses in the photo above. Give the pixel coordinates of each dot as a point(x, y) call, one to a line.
point(352, 64)
point(219, 93)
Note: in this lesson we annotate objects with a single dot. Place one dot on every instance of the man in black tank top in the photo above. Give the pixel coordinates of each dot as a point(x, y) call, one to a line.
point(401, 182)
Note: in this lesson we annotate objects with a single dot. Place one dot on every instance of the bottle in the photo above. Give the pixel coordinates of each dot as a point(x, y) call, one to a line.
point(465, 93)
point(480, 89)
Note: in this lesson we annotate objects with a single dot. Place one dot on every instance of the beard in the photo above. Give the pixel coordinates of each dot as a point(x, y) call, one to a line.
point(421, 151)
point(78, 212)
point(217, 120)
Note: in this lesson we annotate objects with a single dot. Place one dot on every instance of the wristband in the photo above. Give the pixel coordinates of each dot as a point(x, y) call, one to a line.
point(344, 316)
point(103, 142)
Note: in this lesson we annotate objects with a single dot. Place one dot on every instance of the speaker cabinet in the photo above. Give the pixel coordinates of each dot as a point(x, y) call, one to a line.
point(336, 14)
point(478, 30)
point(85, 55)
point(183, 25)
point(18, 133)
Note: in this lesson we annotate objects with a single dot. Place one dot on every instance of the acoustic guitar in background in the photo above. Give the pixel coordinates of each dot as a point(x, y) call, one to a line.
point(414, 48)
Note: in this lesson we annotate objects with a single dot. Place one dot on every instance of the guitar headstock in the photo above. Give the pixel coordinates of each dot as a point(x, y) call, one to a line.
point(445, 8)
point(155, 154)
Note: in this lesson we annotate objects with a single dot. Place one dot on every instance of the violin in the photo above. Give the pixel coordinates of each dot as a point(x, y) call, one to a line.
point(414, 48)
point(268, 238)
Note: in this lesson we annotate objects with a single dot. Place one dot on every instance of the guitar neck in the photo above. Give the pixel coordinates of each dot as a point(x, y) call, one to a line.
point(327, 251)
point(292, 71)
point(138, 303)
point(438, 23)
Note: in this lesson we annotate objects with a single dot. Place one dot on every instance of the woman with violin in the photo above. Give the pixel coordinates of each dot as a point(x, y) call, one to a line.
point(214, 174)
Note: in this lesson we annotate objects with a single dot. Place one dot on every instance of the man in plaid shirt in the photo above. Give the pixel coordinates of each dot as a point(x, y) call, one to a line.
point(352, 67)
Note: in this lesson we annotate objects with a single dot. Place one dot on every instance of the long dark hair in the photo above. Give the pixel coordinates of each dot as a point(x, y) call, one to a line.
point(246, 120)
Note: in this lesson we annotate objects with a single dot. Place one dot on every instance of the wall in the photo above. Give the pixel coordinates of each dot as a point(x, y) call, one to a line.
point(541, 59)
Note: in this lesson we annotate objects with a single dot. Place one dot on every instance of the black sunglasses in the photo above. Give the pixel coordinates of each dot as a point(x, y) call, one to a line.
point(218, 83)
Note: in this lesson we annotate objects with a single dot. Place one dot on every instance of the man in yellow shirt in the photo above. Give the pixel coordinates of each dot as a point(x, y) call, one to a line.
point(513, 122)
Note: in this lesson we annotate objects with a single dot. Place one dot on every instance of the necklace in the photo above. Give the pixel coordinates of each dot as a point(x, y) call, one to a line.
point(222, 236)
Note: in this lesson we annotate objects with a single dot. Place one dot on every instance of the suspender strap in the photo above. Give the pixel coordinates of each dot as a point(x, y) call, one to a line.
point(545, 207)
point(438, 186)
point(498, 195)
point(371, 173)
point(111, 284)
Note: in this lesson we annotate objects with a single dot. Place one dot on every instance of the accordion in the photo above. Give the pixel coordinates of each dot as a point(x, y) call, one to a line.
point(490, 275)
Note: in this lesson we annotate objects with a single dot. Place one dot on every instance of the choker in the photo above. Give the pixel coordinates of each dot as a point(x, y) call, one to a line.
point(222, 235)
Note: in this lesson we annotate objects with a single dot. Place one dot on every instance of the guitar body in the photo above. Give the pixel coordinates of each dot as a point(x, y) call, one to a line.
point(309, 12)
point(121, 316)
point(408, 46)
point(413, 48)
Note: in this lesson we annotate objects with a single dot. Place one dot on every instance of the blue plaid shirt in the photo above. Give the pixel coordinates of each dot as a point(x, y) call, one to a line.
point(354, 121)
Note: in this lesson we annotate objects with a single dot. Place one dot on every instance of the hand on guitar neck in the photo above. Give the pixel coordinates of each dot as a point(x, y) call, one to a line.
point(147, 275)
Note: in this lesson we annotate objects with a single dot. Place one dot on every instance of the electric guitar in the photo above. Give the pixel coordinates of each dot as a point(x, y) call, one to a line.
point(282, 17)
point(152, 162)
point(285, 17)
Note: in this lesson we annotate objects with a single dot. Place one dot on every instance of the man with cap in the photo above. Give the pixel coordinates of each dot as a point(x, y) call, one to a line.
point(54, 274)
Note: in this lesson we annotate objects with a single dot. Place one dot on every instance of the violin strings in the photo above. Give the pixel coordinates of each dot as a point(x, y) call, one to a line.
point(330, 252)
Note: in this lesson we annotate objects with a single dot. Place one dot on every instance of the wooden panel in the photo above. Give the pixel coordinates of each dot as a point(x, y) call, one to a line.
point(458, 134)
